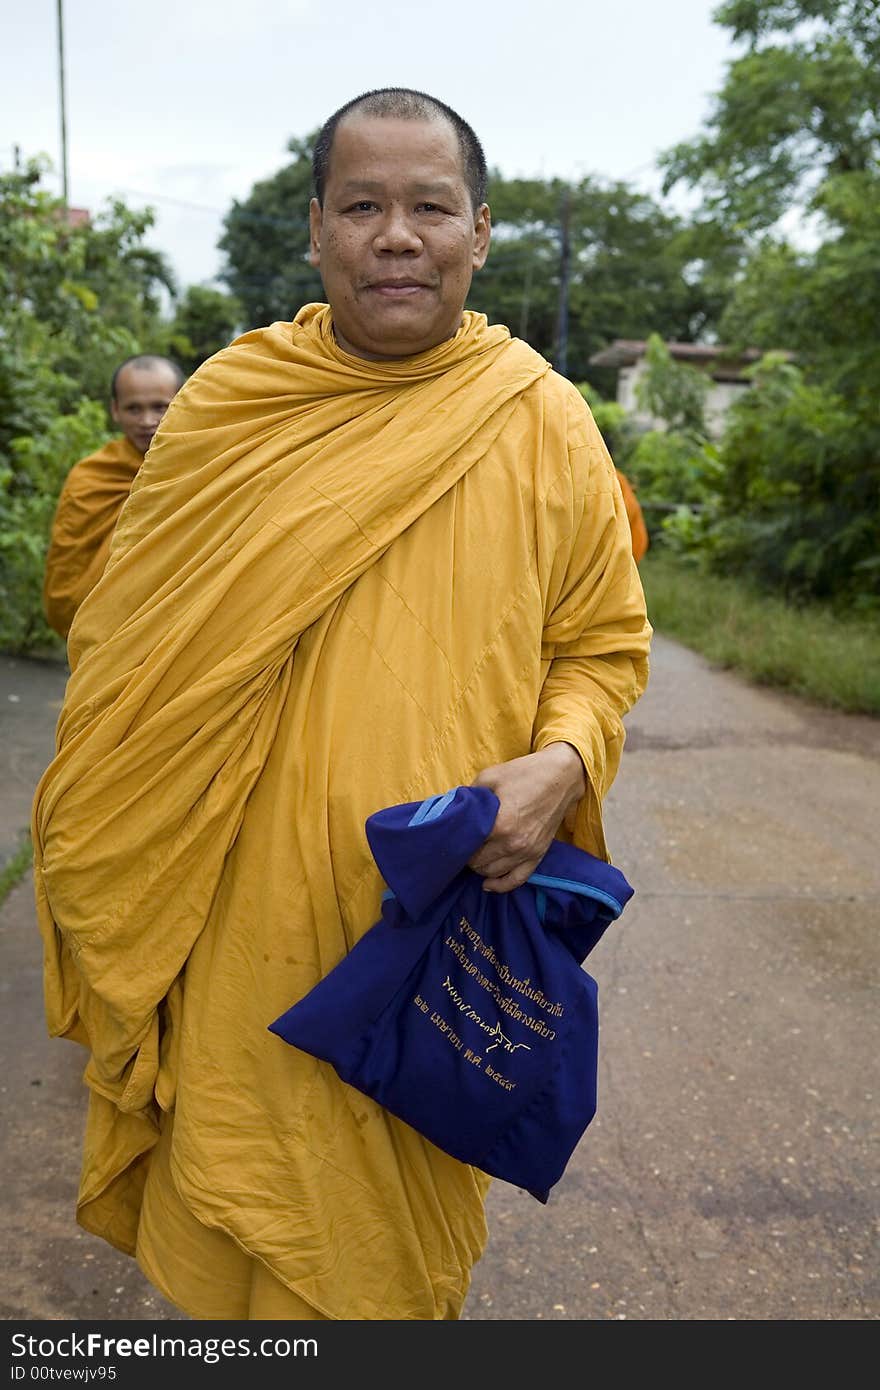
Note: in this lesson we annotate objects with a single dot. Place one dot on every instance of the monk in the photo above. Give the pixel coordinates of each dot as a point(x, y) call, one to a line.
point(96, 487)
point(373, 554)
point(638, 529)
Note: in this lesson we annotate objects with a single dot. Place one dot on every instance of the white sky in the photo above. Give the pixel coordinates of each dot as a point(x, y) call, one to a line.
point(183, 104)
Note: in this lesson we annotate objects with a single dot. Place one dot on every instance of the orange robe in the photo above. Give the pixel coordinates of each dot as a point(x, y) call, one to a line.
point(634, 514)
point(338, 584)
point(88, 508)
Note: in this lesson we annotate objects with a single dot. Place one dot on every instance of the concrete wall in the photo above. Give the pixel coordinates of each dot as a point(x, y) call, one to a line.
point(718, 399)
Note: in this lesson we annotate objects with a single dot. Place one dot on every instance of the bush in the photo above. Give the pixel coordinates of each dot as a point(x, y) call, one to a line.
point(74, 302)
point(798, 502)
point(28, 495)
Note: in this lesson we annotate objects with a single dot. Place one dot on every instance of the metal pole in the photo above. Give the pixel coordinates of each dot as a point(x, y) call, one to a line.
point(561, 363)
point(59, 6)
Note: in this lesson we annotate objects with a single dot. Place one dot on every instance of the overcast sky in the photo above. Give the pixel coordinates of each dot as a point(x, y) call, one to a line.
point(183, 104)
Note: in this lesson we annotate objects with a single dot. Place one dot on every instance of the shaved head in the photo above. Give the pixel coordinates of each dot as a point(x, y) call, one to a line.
point(149, 361)
point(405, 104)
point(141, 391)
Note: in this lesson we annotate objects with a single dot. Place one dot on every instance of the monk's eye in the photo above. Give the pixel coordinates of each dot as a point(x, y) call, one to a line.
point(363, 205)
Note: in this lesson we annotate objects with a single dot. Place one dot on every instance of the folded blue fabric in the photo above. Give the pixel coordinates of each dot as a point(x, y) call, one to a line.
point(468, 1014)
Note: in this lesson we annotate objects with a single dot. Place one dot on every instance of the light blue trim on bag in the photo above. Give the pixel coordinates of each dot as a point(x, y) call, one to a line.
point(433, 807)
point(570, 886)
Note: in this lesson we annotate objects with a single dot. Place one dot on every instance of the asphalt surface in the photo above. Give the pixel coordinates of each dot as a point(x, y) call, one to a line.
point(731, 1172)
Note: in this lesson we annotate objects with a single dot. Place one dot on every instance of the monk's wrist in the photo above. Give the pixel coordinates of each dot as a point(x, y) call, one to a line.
point(571, 768)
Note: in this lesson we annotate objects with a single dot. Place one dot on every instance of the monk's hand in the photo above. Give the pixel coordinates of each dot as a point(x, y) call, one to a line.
point(536, 793)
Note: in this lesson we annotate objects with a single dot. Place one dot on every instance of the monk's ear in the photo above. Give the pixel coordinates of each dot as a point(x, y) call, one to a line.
point(482, 235)
point(316, 218)
point(114, 410)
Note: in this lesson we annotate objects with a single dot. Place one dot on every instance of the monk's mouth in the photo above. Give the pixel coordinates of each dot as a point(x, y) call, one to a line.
point(391, 290)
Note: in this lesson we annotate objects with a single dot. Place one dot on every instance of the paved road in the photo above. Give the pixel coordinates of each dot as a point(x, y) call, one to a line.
point(731, 1172)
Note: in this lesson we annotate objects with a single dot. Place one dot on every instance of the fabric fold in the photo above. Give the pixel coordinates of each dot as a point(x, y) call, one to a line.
point(198, 710)
point(422, 847)
point(93, 494)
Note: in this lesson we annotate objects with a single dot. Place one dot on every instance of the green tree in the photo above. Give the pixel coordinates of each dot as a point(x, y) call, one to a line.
point(675, 466)
point(205, 320)
point(74, 301)
point(634, 268)
point(266, 243)
point(672, 391)
point(30, 480)
point(795, 132)
point(796, 499)
point(800, 106)
point(91, 292)
point(823, 304)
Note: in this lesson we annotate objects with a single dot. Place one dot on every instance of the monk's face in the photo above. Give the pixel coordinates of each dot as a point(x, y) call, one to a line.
point(397, 240)
point(143, 394)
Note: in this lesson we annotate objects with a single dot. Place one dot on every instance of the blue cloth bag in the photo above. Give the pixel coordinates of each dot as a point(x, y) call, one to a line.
point(468, 1014)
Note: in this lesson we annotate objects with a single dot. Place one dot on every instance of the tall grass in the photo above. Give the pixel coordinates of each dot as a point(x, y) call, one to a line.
point(809, 651)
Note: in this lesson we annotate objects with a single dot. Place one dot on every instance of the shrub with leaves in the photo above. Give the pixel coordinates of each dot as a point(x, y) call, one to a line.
point(28, 494)
point(798, 505)
point(75, 300)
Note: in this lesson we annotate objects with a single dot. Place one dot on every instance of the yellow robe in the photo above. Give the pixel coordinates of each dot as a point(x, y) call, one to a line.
point(88, 508)
point(338, 585)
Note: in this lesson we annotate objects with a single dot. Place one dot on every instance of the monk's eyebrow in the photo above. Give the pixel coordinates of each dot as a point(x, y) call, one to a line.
point(435, 190)
point(421, 190)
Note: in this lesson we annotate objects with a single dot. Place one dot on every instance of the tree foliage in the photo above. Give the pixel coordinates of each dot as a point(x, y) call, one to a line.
point(675, 392)
point(796, 502)
point(796, 130)
point(265, 243)
point(823, 304)
point(674, 465)
point(634, 268)
point(74, 301)
point(205, 320)
point(799, 106)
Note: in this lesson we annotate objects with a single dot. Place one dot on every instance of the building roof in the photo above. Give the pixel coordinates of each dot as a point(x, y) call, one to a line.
point(76, 217)
point(721, 362)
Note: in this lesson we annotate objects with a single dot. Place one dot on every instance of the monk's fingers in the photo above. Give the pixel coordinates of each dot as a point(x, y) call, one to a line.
point(492, 868)
point(494, 864)
point(502, 872)
point(506, 850)
point(505, 883)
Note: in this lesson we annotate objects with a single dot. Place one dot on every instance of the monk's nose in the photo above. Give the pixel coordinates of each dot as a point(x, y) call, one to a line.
point(397, 234)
